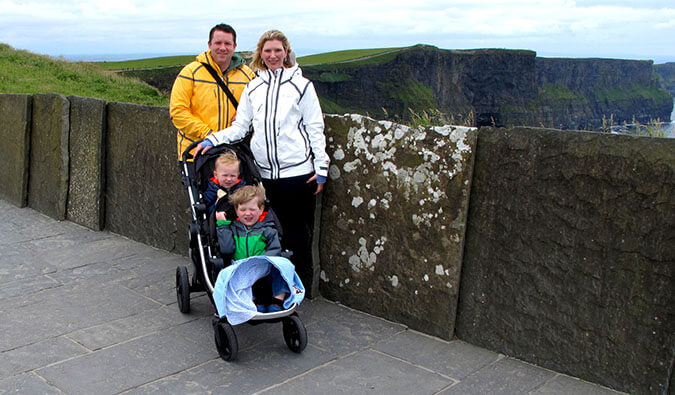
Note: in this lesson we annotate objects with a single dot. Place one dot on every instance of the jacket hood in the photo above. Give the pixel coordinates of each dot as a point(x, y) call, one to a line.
point(205, 57)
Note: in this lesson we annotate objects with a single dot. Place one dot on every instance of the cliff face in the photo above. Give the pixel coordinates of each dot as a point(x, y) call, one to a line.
point(578, 93)
point(494, 87)
point(463, 85)
point(667, 73)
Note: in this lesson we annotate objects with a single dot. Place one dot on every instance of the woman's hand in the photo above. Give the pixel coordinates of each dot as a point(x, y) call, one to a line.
point(319, 187)
point(202, 147)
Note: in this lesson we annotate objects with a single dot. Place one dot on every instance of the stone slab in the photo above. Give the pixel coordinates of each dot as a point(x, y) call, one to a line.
point(569, 254)
point(145, 199)
point(368, 371)
point(36, 355)
point(507, 376)
point(251, 373)
point(49, 155)
point(28, 383)
point(344, 330)
point(15, 113)
point(127, 328)
point(394, 216)
point(87, 148)
point(561, 384)
point(127, 365)
point(65, 309)
point(455, 359)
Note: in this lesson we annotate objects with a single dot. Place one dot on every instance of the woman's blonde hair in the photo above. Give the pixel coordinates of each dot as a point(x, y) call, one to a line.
point(257, 62)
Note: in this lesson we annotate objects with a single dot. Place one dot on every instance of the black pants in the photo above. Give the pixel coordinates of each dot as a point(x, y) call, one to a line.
point(293, 201)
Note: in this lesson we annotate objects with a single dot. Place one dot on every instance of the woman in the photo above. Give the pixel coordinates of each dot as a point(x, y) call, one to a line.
point(288, 143)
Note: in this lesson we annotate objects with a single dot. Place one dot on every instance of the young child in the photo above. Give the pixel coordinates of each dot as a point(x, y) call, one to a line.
point(252, 233)
point(225, 181)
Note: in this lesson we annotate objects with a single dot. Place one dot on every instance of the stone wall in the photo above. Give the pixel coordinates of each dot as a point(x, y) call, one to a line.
point(87, 162)
point(15, 122)
point(394, 216)
point(49, 155)
point(570, 254)
point(553, 247)
point(145, 199)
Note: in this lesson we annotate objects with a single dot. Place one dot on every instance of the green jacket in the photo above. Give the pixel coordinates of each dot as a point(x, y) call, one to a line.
point(236, 240)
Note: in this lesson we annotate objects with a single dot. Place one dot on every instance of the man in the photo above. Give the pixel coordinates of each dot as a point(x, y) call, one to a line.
point(199, 106)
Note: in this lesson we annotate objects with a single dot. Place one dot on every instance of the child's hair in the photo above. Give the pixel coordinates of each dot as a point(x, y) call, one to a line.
point(227, 158)
point(246, 193)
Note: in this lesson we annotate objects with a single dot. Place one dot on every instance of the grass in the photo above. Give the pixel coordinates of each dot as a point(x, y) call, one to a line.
point(149, 63)
point(341, 56)
point(29, 73)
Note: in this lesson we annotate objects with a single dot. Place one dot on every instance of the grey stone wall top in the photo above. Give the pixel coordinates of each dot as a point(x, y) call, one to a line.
point(15, 113)
point(394, 214)
point(49, 155)
point(569, 254)
point(87, 182)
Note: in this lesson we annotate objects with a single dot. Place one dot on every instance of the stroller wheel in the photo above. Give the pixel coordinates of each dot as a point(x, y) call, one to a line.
point(226, 341)
point(295, 333)
point(183, 289)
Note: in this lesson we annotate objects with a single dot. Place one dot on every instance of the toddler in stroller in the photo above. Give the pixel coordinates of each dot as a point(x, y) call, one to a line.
point(251, 239)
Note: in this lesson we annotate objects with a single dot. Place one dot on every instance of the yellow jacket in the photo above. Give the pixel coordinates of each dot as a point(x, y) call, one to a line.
point(198, 106)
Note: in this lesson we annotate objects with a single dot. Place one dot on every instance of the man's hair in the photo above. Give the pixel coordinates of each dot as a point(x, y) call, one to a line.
point(223, 27)
point(257, 62)
point(248, 193)
point(227, 158)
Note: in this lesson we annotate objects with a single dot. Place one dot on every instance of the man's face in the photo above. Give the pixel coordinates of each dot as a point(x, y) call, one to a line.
point(222, 48)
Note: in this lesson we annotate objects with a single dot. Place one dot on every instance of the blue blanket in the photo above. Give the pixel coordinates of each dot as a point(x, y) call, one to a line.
point(232, 292)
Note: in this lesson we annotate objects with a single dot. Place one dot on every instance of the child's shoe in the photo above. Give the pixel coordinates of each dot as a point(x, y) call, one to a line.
point(261, 308)
point(273, 308)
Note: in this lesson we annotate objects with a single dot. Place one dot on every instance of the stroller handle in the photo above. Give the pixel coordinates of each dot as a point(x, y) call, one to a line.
point(186, 154)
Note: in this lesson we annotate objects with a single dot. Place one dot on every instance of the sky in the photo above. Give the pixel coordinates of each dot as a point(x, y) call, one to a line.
point(127, 29)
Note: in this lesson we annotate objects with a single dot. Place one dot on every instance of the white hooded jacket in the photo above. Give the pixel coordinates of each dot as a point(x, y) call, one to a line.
point(288, 137)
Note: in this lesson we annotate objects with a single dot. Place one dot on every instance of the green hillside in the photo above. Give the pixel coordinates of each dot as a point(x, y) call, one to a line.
point(162, 61)
point(29, 73)
point(343, 56)
point(310, 60)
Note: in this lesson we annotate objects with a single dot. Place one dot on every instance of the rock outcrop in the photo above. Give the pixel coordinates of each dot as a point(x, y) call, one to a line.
point(494, 87)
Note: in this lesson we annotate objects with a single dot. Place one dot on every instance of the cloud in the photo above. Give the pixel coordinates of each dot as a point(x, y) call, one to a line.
point(601, 27)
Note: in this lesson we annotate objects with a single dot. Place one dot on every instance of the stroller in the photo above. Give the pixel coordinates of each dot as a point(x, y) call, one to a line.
point(208, 262)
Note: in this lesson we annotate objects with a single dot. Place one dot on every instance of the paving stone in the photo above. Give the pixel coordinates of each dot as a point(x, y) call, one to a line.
point(250, 373)
point(456, 359)
point(25, 286)
point(65, 310)
point(128, 328)
point(24, 359)
point(562, 384)
point(18, 262)
point(506, 376)
point(368, 371)
point(28, 383)
point(101, 248)
point(342, 330)
point(126, 366)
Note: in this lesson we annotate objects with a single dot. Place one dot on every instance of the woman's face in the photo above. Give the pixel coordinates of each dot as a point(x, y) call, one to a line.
point(273, 54)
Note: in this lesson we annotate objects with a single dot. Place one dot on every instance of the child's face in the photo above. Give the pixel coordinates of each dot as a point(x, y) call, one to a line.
point(249, 212)
point(226, 174)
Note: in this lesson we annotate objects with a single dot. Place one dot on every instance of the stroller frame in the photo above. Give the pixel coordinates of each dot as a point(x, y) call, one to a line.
point(207, 264)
